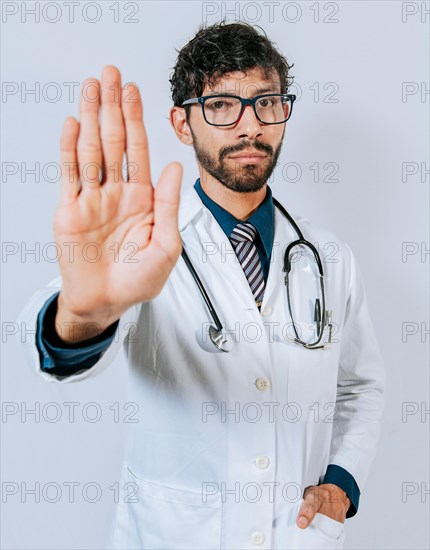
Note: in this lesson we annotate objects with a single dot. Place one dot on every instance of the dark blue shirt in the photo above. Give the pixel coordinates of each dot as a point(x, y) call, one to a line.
point(65, 359)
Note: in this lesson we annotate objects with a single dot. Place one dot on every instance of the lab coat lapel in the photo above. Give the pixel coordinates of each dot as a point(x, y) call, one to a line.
point(213, 250)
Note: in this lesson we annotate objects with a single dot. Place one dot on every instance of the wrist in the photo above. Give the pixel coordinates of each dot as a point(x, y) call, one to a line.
point(72, 326)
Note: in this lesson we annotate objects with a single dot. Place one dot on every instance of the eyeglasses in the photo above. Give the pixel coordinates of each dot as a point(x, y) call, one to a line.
point(225, 109)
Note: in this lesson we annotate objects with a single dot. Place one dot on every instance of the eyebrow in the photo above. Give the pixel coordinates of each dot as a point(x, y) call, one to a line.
point(269, 88)
point(263, 90)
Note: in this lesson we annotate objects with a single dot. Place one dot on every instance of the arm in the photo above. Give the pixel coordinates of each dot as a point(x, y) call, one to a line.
point(360, 388)
point(103, 215)
point(359, 406)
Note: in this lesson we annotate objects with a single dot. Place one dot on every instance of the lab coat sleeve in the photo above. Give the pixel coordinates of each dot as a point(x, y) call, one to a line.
point(58, 357)
point(360, 387)
point(27, 321)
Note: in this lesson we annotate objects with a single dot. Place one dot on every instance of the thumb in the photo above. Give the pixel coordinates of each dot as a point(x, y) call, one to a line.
point(309, 507)
point(166, 203)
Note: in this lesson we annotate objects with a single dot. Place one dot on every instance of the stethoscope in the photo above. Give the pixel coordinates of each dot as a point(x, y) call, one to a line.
point(322, 317)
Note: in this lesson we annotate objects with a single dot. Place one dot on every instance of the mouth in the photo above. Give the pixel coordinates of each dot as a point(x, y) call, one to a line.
point(248, 158)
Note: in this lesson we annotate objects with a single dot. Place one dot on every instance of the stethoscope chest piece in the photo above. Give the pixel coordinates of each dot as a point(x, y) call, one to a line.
point(214, 340)
point(219, 340)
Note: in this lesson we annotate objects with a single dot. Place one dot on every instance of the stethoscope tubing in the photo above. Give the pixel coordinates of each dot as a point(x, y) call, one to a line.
point(287, 267)
point(201, 288)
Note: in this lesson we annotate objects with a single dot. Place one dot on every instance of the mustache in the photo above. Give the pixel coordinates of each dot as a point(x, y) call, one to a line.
point(263, 147)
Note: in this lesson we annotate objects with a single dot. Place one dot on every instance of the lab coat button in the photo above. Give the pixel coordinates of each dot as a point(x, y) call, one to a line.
point(257, 538)
point(266, 311)
point(262, 462)
point(262, 383)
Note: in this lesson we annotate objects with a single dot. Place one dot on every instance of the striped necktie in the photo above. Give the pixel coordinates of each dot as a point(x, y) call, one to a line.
point(242, 238)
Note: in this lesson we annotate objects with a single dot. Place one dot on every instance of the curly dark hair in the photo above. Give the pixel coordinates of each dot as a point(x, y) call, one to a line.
point(219, 49)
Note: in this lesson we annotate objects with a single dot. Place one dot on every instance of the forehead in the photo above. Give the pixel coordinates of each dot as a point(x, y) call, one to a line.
point(248, 84)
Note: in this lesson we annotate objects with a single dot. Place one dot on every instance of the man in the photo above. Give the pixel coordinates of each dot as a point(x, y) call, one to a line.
point(264, 442)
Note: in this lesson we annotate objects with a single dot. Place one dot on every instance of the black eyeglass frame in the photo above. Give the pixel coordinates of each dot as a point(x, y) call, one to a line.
point(244, 101)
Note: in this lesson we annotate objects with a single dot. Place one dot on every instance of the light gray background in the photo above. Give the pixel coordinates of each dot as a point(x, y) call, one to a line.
point(369, 133)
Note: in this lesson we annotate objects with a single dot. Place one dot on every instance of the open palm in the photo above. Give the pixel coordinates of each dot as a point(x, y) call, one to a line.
point(119, 239)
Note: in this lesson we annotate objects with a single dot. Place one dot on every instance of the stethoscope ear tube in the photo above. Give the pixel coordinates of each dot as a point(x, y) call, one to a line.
point(304, 242)
point(300, 240)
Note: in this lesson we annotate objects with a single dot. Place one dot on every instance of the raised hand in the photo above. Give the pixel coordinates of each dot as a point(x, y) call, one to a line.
point(119, 239)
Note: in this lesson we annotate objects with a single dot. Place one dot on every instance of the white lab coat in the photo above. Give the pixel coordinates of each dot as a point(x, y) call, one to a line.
point(228, 442)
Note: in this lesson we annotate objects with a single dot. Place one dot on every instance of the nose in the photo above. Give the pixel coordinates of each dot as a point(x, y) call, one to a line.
point(248, 124)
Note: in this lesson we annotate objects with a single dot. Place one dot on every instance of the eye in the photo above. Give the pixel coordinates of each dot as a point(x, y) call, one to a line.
point(266, 102)
point(218, 104)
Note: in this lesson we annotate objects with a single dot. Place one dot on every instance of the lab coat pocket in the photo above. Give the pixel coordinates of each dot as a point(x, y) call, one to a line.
point(312, 384)
point(163, 517)
point(323, 533)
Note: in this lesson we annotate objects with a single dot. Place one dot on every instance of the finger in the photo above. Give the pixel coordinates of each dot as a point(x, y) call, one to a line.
point(166, 204)
point(89, 144)
point(112, 123)
point(309, 507)
point(69, 161)
point(137, 150)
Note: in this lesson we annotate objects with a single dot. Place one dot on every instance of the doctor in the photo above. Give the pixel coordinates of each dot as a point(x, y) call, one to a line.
point(263, 441)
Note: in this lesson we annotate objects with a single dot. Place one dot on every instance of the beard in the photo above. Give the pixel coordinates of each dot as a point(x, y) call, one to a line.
point(242, 178)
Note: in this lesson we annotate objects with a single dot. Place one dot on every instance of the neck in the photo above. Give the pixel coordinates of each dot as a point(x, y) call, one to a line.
point(239, 205)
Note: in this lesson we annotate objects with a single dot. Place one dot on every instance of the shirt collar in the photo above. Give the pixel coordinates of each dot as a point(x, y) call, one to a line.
point(262, 218)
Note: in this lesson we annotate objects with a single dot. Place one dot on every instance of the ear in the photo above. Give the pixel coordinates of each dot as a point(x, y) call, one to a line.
point(179, 124)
